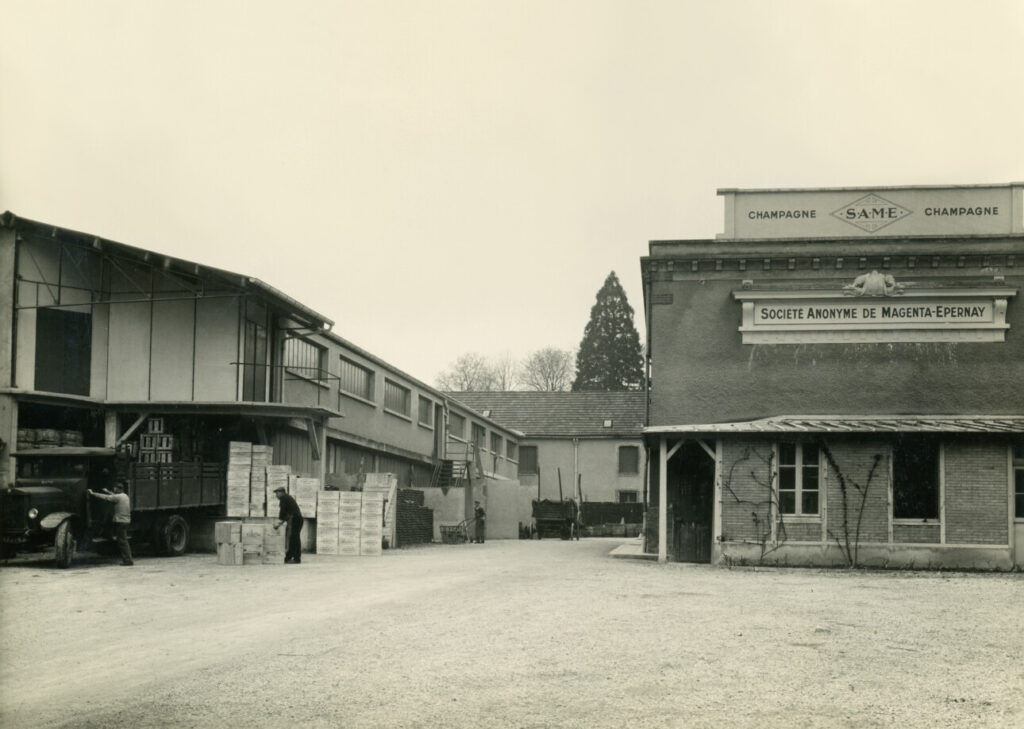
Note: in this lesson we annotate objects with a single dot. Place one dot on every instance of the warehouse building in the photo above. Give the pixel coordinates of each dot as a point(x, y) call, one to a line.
point(105, 345)
point(837, 380)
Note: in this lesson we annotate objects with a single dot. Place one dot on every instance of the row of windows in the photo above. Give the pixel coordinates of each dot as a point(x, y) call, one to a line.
point(629, 460)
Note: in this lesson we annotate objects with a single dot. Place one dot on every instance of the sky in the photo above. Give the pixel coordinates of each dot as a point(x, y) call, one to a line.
point(447, 177)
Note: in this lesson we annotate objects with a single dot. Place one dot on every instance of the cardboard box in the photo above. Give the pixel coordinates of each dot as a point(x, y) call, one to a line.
point(229, 554)
point(228, 532)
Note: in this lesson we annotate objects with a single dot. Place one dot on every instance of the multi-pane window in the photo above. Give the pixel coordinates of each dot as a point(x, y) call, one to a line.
point(915, 477)
point(496, 443)
point(527, 459)
point(356, 379)
point(628, 497)
point(799, 478)
point(304, 358)
point(396, 398)
point(457, 425)
point(510, 453)
point(629, 459)
point(426, 415)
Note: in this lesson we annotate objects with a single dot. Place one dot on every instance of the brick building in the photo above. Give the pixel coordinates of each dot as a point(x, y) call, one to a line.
point(837, 379)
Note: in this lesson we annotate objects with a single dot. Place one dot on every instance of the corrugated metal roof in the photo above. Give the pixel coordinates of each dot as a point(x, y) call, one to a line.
point(858, 424)
point(562, 414)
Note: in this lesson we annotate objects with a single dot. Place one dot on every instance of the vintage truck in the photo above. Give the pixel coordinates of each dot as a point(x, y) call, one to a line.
point(48, 503)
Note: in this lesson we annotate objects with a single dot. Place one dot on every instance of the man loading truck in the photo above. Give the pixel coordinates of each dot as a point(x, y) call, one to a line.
point(121, 519)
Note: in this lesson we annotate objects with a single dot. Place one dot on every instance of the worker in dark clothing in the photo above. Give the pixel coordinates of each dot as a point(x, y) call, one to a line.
point(481, 519)
point(121, 519)
point(290, 514)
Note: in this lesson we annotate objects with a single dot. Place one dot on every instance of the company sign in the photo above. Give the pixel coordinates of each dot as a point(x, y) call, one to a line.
point(981, 210)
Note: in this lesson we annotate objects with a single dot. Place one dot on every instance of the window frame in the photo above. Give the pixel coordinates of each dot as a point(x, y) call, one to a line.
point(621, 492)
point(496, 443)
point(321, 357)
point(896, 481)
point(511, 450)
point(371, 381)
point(461, 435)
point(406, 412)
point(636, 451)
point(429, 422)
point(1017, 462)
point(799, 468)
point(536, 459)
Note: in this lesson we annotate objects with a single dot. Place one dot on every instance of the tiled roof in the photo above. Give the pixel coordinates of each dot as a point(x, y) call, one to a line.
point(562, 414)
point(858, 424)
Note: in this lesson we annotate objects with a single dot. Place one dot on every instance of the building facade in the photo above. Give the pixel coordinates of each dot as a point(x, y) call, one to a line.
point(97, 337)
point(837, 380)
point(589, 442)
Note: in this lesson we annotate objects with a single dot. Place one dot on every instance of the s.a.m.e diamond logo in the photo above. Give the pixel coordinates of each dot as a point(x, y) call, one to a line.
point(871, 213)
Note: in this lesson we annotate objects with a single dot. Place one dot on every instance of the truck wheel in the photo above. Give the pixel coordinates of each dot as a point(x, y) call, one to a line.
point(65, 544)
point(171, 538)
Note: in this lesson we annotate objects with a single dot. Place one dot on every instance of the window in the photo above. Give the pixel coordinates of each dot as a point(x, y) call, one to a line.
point(510, 453)
point(528, 459)
point(629, 497)
point(397, 398)
point(426, 411)
point(356, 380)
point(479, 435)
point(254, 378)
point(915, 477)
point(305, 359)
point(457, 425)
point(496, 443)
point(1018, 479)
point(799, 478)
point(629, 459)
point(63, 351)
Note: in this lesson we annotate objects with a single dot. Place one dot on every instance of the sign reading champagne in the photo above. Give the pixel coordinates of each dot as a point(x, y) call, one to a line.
point(925, 315)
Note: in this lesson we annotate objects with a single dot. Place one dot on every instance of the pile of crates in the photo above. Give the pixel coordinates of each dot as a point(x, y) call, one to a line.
point(252, 479)
point(156, 446)
point(249, 542)
point(349, 523)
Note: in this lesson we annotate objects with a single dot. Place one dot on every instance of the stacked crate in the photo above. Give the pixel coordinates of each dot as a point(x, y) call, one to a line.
point(252, 542)
point(277, 478)
point(350, 508)
point(239, 471)
point(156, 446)
point(305, 493)
point(228, 535)
point(386, 485)
point(261, 456)
point(371, 527)
point(328, 505)
point(273, 543)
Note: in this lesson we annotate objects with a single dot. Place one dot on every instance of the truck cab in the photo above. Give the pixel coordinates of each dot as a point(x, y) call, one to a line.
point(49, 501)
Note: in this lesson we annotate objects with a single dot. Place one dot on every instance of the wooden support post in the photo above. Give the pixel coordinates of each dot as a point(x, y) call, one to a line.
point(663, 500)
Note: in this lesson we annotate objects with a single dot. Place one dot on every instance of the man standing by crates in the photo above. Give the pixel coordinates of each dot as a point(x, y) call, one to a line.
point(480, 516)
point(291, 515)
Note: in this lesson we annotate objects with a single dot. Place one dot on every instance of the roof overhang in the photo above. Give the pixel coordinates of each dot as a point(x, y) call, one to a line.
point(184, 407)
point(854, 424)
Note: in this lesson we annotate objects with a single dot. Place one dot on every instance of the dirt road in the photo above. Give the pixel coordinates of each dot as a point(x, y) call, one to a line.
point(506, 634)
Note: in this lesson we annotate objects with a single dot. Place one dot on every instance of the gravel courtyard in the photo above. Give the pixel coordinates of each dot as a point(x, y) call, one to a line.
point(505, 634)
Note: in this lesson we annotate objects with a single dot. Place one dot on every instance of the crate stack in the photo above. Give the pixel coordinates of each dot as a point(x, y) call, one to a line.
point(350, 509)
point(277, 478)
point(274, 547)
point(156, 446)
point(261, 457)
point(385, 484)
point(328, 506)
point(228, 535)
point(371, 527)
point(252, 542)
point(239, 471)
point(305, 493)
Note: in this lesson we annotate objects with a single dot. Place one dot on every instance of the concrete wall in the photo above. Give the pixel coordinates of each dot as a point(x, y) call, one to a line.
point(594, 460)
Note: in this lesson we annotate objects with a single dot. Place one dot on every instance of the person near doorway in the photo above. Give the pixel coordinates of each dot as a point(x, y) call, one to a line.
point(121, 519)
point(290, 514)
point(480, 517)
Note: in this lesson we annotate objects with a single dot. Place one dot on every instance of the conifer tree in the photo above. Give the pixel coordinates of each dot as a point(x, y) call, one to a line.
point(609, 358)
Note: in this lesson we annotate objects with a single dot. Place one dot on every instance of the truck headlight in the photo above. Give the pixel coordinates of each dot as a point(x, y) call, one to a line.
point(33, 513)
